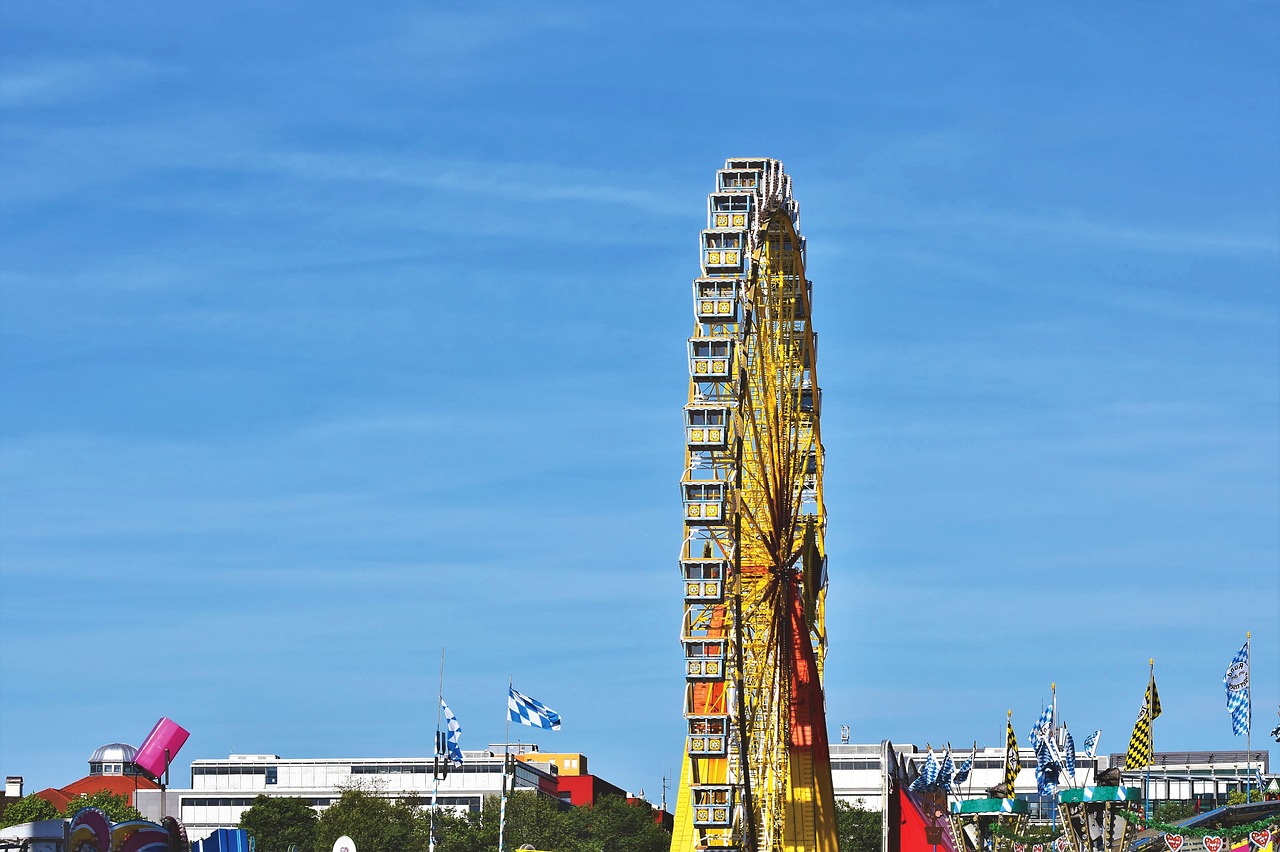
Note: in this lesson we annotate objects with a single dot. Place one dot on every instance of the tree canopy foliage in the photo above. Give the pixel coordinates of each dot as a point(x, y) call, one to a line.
point(28, 809)
point(857, 829)
point(275, 822)
point(378, 824)
point(612, 823)
point(33, 808)
point(115, 805)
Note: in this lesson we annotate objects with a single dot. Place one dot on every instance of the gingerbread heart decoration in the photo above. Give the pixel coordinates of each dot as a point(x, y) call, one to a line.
point(1212, 843)
point(1039, 847)
point(1173, 841)
point(1019, 847)
point(1260, 838)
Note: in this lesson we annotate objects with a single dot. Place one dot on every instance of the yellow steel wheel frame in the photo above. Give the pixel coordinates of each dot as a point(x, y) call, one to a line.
point(775, 772)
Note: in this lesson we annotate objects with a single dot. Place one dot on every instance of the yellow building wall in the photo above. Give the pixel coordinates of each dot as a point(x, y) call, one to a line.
point(567, 763)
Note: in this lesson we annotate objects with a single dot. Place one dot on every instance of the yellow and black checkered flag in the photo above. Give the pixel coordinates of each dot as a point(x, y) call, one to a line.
point(1012, 763)
point(1141, 752)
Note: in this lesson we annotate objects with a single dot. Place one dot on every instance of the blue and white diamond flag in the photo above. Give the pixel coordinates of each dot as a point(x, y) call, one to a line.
point(962, 774)
point(1046, 769)
point(931, 770)
point(928, 774)
point(453, 740)
point(1091, 744)
point(1042, 725)
point(1069, 752)
point(947, 771)
point(528, 711)
point(1236, 682)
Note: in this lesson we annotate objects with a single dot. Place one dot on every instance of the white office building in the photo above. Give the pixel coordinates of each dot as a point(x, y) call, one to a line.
point(857, 773)
point(222, 790)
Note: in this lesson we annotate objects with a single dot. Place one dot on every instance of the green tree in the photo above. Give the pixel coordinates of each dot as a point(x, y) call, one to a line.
point(1236, 797)
point(277, 821)
point(547, 824)
point(28, 809)
point(468, 832)
point(614, 824)
point(539, 822)
point(1173, 811)
point(857, 829)
point(375, 824)
point(115, 805)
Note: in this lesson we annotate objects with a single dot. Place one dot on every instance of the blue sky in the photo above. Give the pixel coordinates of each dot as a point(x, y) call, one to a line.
point(334, 335)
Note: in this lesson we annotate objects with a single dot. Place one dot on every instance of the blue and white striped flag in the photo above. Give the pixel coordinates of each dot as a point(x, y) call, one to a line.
point(1236, 682)
point(528, 711)
point(1091, 744)
point(453, 739)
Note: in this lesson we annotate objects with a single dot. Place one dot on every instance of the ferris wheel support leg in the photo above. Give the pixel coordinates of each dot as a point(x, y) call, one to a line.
point(810, 792)
point(683, 836)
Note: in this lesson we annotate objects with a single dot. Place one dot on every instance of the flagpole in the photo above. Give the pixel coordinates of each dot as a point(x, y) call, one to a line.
point(1053, 738)
point(1008, 721)
point(435, 764)
point(506, 747)
point(1248, 732)
point(1151, 738)
point(973, 769)
point(1097, 735)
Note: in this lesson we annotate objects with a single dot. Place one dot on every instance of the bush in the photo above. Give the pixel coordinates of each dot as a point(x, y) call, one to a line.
point(1173, 811)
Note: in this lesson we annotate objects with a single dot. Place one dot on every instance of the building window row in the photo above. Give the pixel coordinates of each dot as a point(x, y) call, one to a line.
point(232, 770)
point(471, 802)
point(421, 768)
point(245, 803)
point(855, 764)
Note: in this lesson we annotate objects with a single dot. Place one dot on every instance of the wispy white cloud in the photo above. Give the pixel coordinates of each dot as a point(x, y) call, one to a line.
point(1072, 226)
point(870, 215)
point(521, 183)
point(55, 81)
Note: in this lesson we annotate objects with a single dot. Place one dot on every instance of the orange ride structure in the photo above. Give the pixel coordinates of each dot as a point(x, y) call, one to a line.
point(756, 775)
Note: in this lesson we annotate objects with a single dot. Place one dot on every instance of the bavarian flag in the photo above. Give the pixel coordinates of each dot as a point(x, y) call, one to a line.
point(1140, 752)
point(1012, 763)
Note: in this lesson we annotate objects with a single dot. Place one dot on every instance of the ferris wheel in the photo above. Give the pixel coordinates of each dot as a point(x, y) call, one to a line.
point(756, 775)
